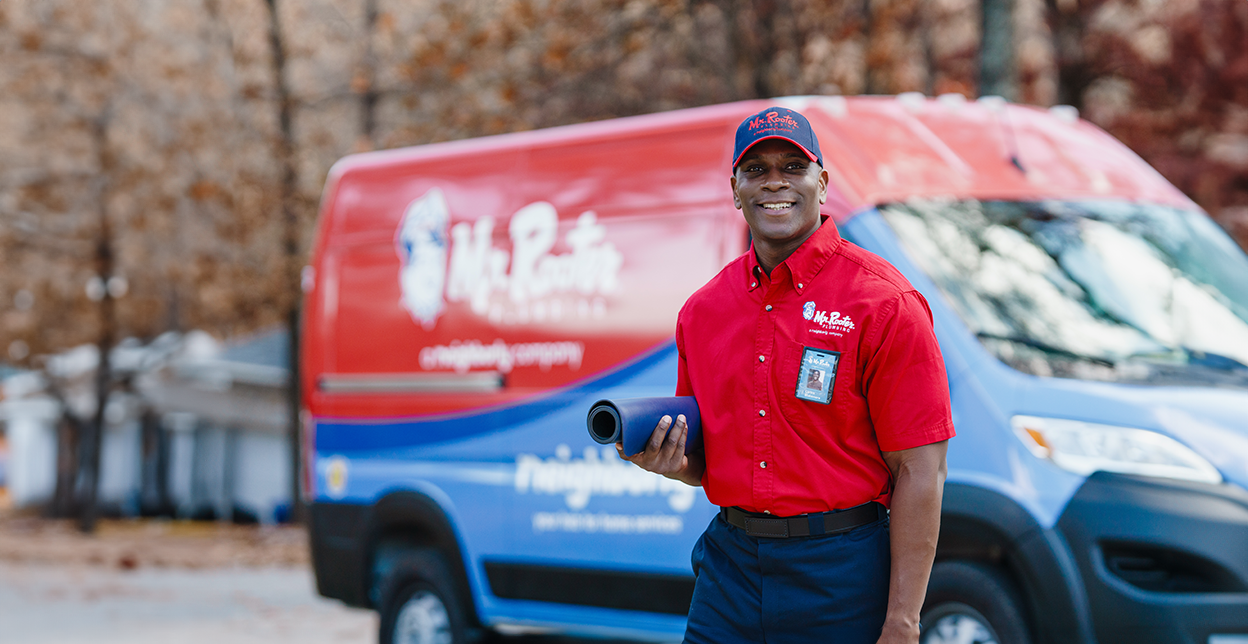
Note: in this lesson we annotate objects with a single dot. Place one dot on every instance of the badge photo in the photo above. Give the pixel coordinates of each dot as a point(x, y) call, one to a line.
point(817, 375)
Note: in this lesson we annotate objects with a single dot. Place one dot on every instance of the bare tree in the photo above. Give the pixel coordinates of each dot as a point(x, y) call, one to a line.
point(365, 81)
point(105, 263)
point(997, 75)
point(290, 216)
point(1067, 21)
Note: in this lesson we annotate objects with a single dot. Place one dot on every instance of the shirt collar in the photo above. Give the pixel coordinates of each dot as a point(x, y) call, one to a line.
point(805, 262)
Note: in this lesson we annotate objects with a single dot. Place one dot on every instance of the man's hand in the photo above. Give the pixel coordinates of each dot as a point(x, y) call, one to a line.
point(914, 526)
point(665, 453)
point(896, 632)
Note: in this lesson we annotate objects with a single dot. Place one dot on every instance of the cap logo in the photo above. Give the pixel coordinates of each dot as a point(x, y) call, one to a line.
point(776, 123)
point(773, 121)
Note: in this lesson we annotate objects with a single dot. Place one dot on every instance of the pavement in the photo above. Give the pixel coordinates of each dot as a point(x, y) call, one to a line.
point(70, 604)
point(173, 582)
point(150, 581)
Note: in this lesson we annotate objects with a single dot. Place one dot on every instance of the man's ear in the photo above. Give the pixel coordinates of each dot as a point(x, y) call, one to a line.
point(823, 186)
point(736, 199)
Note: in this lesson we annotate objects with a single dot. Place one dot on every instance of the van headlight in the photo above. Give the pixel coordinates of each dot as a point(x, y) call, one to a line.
point(1084, 448)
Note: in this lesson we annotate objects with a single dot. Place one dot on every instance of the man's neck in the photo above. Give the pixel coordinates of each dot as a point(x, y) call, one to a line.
point(770, 256)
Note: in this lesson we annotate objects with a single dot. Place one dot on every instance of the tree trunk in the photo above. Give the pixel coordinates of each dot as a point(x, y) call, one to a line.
point(368, 64)
point(764, 53)
point(68, 448)
point(290, 217)
point(997, 69)
point(1073, 76)
point(869, 83)
point(749, 26)
point(89, 466)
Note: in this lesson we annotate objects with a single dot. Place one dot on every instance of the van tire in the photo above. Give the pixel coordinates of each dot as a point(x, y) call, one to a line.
point(419, 602)
point(971, 599)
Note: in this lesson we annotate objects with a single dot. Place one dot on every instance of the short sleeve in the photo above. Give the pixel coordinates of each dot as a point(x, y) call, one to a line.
point(683, 387)
point(904, 379)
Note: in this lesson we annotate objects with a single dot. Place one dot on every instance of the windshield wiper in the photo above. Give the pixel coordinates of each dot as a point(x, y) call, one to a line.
point(1192, 357)
point(1214, 360)
point(1046, 348)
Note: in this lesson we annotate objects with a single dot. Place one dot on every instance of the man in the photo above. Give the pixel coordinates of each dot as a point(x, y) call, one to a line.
point(815, 379)
point(803, 549)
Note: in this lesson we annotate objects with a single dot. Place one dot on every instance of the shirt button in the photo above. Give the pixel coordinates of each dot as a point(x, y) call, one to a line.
point(763, 464)
point(762, 412)
point(800, 285)
point(753, 284)
point(766, 511)
point(762, 358)
point(767, 308)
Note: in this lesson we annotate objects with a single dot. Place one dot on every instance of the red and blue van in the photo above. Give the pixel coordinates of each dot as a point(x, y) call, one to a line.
point(467, 302)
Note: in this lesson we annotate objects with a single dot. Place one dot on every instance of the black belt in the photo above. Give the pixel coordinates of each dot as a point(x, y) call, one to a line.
point(805, 525)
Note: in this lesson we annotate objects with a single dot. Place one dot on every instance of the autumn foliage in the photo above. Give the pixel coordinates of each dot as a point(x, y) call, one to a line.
point(141, 141)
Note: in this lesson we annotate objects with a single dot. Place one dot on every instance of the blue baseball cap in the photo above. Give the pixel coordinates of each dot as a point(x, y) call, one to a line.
point(776, 123)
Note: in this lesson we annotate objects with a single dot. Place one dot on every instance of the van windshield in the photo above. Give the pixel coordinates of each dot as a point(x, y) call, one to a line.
point(1102, 290)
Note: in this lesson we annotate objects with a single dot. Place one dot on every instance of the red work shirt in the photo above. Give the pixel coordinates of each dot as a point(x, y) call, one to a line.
point(762, 354)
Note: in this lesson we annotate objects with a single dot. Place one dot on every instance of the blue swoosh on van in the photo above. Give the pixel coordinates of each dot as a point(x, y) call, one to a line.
point(369, 434)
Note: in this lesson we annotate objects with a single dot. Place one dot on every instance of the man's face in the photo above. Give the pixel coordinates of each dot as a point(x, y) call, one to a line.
point(779, 190)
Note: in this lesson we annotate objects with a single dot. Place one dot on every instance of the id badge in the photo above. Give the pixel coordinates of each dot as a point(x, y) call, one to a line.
point(817, 375)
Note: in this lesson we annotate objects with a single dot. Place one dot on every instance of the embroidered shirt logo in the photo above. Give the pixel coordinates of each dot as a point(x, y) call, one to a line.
point(833, 320)
point(808, 311)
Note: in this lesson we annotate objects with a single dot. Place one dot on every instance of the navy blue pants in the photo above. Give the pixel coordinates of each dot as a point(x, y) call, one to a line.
point(825, 588)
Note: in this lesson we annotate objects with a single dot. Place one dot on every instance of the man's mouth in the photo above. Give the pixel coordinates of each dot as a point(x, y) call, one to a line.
point(783, 205)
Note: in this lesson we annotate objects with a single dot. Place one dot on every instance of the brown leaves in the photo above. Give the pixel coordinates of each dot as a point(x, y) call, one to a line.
point(131, 545)
point(204, 190)
point(193, 179)
point(1170, 79)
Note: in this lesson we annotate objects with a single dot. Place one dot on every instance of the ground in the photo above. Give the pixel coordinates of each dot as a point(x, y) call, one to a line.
point(144, 581)
point(47, 603)
point(140, 581)
point(148, 544)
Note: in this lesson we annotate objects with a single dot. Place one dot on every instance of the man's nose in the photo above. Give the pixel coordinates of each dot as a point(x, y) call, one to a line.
point(775, 180)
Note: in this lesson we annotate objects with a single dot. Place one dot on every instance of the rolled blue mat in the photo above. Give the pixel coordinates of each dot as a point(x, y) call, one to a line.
point(633, 420)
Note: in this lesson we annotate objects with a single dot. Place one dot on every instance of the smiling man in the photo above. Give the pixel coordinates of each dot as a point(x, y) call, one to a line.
point(829, 484)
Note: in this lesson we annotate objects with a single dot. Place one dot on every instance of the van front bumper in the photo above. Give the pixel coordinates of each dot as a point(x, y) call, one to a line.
point(1162, 561)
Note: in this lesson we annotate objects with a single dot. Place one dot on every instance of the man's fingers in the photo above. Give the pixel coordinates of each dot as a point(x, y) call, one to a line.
point(656, 437)
point(673, 436)
point(665, 450)
point(673, 447)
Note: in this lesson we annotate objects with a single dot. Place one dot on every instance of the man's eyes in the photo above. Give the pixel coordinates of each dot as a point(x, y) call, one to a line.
point(795, 166)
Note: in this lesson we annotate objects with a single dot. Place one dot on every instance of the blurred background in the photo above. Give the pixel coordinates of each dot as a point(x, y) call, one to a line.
point(161, 163)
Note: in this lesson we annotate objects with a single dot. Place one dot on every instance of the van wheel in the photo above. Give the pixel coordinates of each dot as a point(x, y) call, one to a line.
point(970, 603)
point(420, 604)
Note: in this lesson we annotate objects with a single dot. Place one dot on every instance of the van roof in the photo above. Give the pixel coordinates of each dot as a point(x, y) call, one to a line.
point(887, 149)
point(878, 149)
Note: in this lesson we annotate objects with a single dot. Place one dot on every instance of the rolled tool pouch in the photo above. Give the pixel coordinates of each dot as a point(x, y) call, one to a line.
point(632, 420)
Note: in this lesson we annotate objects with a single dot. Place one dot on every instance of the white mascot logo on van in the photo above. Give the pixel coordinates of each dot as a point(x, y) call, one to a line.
point(527, 283)
point(421, 244)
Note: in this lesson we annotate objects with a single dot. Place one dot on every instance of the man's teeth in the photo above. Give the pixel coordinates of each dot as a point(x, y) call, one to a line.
point(778, 206)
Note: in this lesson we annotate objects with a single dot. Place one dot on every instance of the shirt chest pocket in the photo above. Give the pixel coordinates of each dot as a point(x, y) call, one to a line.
point(812, 383)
